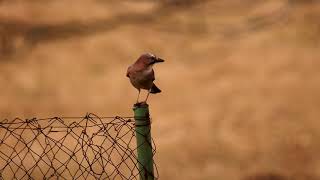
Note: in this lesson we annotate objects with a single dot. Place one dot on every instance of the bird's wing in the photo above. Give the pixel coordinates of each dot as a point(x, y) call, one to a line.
point(128, 71)
point(152, 76)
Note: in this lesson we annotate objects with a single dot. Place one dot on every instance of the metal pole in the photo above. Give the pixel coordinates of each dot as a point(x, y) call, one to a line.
point(144, 145)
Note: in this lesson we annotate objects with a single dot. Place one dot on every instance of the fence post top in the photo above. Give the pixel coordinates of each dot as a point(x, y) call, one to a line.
point(141, 114)
point(140, 105)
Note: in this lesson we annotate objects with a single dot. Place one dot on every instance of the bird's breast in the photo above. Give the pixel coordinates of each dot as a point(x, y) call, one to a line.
point(141, 79)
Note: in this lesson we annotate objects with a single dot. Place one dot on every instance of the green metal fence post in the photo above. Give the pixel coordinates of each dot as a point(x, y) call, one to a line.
point(144, 144)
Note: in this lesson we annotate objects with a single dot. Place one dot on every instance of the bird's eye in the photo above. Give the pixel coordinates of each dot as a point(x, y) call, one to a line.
point(152, 60)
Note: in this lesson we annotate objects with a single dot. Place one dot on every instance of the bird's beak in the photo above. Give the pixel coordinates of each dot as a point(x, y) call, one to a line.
point(158, 60)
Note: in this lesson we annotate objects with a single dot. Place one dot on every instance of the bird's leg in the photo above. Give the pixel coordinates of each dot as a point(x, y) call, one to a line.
point(147, 95)
point(138, 96)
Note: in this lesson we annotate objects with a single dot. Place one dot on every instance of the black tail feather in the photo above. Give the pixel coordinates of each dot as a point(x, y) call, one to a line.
point(155, 89)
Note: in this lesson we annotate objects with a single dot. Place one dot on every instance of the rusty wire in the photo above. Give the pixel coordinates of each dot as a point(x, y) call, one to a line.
point(88, 147)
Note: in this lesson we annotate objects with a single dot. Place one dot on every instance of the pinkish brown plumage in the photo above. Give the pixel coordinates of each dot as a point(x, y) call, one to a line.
point(141, 74)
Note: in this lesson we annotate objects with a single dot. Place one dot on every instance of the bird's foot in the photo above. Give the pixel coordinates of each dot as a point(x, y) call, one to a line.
point(141, 103)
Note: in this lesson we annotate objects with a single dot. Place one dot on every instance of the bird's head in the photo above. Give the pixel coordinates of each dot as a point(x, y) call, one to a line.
point(149, 59)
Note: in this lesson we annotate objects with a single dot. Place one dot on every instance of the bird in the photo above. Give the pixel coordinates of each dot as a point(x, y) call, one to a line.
point(141, 74)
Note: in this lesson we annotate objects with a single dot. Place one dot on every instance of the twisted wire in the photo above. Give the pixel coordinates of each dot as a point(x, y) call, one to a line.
point(88, 147)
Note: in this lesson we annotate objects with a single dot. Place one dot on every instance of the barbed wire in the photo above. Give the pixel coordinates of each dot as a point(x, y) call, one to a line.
point(88, 147)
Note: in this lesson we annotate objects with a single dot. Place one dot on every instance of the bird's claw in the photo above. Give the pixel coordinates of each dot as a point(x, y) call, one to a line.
point(141, 103)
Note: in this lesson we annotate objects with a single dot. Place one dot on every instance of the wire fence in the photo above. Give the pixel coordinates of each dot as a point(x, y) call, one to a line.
point(89, 147)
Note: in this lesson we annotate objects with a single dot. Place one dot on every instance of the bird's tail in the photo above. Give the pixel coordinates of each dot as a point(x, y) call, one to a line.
point(155, 89)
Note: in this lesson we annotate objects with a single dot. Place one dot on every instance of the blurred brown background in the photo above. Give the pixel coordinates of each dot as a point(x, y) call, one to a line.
point(241, 92)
